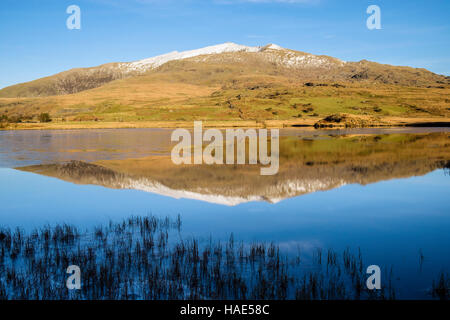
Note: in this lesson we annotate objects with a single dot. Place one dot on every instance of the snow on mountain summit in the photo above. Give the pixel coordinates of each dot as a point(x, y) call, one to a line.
point(154, 62)
point(271, 52)
point(274, 47)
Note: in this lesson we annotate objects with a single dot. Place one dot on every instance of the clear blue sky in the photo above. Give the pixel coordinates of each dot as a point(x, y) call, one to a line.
point(34, 40)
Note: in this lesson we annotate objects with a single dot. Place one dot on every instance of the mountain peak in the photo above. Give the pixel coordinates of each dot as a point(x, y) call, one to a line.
point(273, 47)
point(157, 61)
point(227, 47)
point(258, 59)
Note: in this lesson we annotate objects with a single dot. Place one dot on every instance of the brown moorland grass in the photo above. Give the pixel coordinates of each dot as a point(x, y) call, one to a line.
point(185, 91)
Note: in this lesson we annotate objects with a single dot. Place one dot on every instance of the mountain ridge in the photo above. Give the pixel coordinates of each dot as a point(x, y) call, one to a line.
point(329, 68)
point(232, 83)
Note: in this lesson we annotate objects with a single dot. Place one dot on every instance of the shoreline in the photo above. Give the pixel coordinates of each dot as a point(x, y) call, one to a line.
point(387, 122)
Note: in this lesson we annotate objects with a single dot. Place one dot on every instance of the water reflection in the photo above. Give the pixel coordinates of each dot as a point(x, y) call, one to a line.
point(307, 164)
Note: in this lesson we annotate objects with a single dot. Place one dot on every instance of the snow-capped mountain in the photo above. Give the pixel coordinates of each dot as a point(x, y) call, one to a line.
point(271, 52)
point(154, 62)
point(269, 59)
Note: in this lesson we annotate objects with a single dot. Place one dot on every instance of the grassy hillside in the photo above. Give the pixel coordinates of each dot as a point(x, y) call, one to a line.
point(219, 87)
point(67, 82)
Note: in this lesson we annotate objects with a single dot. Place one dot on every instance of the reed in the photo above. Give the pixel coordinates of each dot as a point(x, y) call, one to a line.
point(147, 258)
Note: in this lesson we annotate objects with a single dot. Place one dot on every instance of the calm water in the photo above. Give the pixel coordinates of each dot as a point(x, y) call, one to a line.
point(384, 191)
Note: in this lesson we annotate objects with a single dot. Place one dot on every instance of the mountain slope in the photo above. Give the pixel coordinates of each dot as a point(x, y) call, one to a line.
point(233, 83)
point(295, 64)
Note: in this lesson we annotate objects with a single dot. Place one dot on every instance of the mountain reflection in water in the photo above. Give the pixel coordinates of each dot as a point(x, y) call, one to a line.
point(307, 164)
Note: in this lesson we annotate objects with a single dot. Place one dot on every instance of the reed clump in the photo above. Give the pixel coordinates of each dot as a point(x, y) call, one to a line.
point(441, 287)
point(147, 258)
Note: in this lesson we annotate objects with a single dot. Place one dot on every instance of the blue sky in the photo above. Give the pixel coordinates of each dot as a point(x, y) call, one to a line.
point(34, 40)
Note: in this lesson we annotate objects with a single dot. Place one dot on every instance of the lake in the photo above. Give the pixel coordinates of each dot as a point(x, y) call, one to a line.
point(383, 192)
